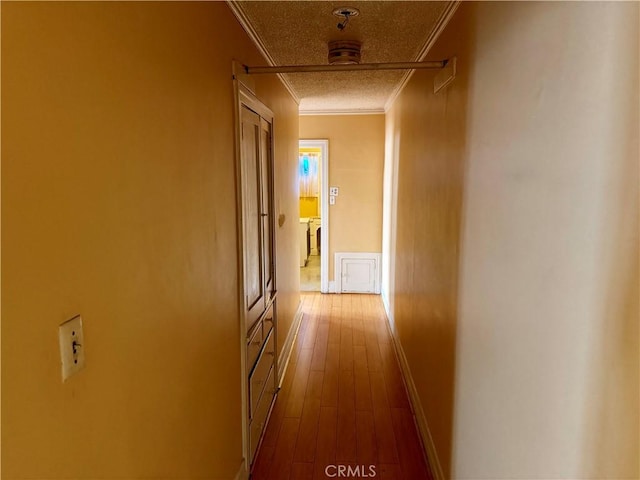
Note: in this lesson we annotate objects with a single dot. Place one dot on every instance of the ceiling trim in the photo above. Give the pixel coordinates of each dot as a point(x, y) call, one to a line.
point(370, 111)
point(422, 54)
point(244, 21)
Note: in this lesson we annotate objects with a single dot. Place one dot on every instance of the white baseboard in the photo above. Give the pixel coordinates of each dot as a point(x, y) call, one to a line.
point(385, 303)
point(416, 405)
point(287, 346)
point(332, 287)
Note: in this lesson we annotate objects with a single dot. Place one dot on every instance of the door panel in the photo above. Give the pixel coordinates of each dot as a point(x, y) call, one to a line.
point(251, 212)
point(358, 275)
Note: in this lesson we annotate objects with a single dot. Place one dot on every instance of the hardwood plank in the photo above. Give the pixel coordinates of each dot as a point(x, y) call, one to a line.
point(410, 450)
point(385, 436)
point(378, 390)
point(344, 388)
point(389, 472)
point(396, 392)
point(281, 465)
point(324, 309)
point(360, 358)
point(275, 423)
point(366, 445)
point(312, 325)
point(334, 329)
point(301, 471)
point(362, 390)
point(308, 433)
point(346, 441)
point(306, 445)
point(374, 359)
point(336, 305)
point(330, 379)
point(326, 444)
point(263, 461)
point(346, 347)
point(299, 385)
point(314, 385)
point(358, 324)
point(320, 347)
point(382, 416)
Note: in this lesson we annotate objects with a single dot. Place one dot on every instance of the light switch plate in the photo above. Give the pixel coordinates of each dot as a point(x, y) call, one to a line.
point(332, 199)
point(71, 346)
point(333, 191)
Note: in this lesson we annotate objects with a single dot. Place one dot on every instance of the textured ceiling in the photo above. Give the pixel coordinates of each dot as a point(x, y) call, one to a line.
point(297, 33)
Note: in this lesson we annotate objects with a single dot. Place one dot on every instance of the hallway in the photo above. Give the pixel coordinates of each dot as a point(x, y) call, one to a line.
point(342, 401)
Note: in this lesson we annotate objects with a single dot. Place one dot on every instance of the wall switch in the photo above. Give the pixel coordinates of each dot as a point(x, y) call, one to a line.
point(333, 191)
point(71, 346)
point(332, 199)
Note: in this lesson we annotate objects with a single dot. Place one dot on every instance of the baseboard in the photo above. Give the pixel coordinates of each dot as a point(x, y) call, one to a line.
point(287, 347)
point(385, 303)
point(332, 287)
point(242, 474)
point(416, 405)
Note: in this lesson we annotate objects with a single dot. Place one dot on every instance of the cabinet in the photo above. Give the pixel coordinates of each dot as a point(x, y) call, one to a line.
point(262, 385)
point(258, 276)
point(257, 214)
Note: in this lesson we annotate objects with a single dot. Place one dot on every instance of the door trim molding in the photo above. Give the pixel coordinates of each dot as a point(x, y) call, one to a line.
point(323, 145)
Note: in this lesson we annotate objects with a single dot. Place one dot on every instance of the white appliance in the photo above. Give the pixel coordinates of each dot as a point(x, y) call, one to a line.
point(305, 241)
point(314, 225)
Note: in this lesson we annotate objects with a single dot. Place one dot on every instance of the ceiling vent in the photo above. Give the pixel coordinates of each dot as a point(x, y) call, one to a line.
point(344, 52)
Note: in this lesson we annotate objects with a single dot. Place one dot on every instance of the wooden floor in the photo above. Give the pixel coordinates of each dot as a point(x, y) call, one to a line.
point(342, 400)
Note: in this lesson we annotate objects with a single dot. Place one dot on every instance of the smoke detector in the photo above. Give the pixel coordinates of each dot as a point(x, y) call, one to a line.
point(344, 52)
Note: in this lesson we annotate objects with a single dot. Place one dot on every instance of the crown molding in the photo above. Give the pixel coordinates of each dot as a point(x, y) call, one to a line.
point(244, 21)
point(357, 111)
point(443, 21)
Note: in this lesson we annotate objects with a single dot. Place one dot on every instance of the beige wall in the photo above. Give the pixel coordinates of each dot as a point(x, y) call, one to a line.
point(356, 162)
point(118, 203)
point(514, 286)
point(426, 149)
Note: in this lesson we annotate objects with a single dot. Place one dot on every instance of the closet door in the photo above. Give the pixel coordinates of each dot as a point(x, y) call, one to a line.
point(252, 219)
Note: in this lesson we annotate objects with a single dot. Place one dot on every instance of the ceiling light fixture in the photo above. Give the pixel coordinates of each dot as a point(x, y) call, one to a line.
point(346, 13)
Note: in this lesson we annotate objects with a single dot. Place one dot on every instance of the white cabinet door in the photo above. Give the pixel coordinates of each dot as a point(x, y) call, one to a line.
point(358, 275)
point(257, 213)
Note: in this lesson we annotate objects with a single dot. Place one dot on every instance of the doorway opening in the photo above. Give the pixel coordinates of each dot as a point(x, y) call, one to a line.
point(313, 175)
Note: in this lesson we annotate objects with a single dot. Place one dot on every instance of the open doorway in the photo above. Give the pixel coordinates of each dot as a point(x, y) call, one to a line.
point(314, 215)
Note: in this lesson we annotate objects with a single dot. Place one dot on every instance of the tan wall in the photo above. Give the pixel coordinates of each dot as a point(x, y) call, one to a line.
point(118, 203)
point(356, 162)
point(309, 207)
point(425, 148)
point(526, 358)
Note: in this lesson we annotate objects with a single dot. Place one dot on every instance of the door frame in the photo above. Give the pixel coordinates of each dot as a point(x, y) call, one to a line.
point(323, 145)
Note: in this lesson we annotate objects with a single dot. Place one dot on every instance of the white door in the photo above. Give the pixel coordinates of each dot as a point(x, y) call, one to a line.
point(358, 275)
